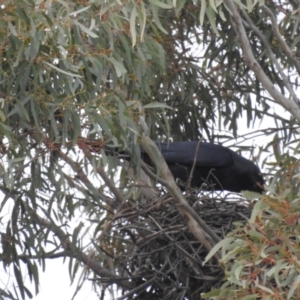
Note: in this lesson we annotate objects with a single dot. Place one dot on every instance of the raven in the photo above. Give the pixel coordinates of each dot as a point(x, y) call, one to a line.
point(218, 166)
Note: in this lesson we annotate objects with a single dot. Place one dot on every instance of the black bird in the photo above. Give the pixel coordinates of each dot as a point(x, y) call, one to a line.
point(218, 166)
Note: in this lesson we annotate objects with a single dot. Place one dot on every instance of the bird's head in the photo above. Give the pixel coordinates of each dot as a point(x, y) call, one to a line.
point(256, 181)
point(248, 174)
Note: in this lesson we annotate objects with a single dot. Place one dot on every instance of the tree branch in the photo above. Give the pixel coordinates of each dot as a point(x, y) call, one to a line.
point(84, 179)
point(271, 54)
point(194, 164)
point(289, 104)
point(73, 251)
point(281, 41)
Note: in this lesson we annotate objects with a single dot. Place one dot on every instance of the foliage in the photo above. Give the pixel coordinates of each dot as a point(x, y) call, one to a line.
point(82, 79)
point(261, 258)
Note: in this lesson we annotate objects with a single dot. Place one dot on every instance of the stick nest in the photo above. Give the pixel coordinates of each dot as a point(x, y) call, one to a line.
point(157, 252)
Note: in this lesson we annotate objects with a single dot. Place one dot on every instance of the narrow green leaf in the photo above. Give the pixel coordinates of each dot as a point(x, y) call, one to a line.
point(213, 5)
point(64, 127)
point(75, 234)
point(161, 56)
point(62, 71)
point(157, 105)
point(278, 268)
point(18, 276)
point(237, 271)
point(249, 5)
point(35, 116)
point(77, 12)
point(142, 20)
point(86, 30)
point(216, 248)
point(178, 6)
point(161, 4)
point(32, 28)
point(257, 209)
point(132, 23)
point(252, 195)
point(119, 67)
point(103, 125)
point(2, 116)
point(211, 14)
point(28, 293)
point(12, 29)
point(55, 131)
point(293, 287)
point(221, 14)
point(142, 63)
point(157, 20)
point(76, 125)
point(122, 116)
point(251, 297)
point(202, 11)
point(266, 289)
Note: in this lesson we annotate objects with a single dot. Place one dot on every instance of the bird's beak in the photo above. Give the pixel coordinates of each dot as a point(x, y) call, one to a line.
point(261, 186)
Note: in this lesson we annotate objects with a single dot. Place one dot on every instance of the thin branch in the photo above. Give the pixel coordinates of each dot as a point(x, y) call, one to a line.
point(146, 169)
point(73, 251)
point(185, 253)
point(122, 206)
point(194, 164)
point(84, 179)
point(119, 198)
point(143, 182)
point(153, 175)
point(289, 104)
point(271, 54)
point(281, 41)
point(137, 289)
point(45, 255)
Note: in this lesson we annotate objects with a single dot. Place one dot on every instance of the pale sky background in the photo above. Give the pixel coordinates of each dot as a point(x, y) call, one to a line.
point(55, 284)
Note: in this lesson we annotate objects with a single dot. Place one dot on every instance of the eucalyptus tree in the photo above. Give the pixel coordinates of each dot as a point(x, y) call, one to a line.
point(82, 83)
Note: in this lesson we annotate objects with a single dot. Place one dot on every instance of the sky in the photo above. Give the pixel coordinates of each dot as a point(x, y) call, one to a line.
point(55, 284)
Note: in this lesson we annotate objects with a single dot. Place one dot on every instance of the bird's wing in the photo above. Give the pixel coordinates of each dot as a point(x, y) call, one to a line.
point(209, 155)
